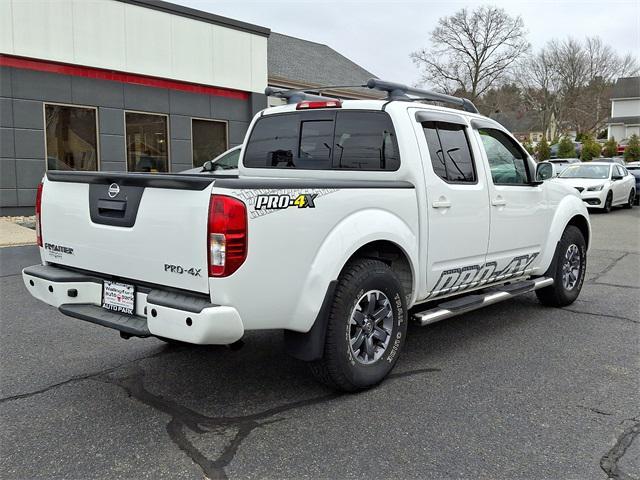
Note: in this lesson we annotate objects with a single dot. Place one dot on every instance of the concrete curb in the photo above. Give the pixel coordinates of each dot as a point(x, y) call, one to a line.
point(13, 235)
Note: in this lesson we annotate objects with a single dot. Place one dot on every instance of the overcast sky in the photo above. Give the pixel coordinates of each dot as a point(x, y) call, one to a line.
point(380, 35)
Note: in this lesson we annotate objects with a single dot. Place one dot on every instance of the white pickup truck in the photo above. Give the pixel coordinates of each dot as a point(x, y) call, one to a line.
point(347, 219)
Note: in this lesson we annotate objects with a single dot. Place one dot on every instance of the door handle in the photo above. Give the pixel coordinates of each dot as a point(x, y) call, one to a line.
point(498, 201)
point(442, 202)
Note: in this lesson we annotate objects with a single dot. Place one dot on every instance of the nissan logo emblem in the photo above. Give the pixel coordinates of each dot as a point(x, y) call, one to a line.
point(113, 190)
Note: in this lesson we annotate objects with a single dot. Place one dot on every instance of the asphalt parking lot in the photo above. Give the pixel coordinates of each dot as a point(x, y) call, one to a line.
point(512, 391)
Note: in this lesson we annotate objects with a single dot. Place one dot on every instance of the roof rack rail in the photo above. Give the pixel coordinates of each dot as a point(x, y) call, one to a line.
point(398, 91)
point(294, 96)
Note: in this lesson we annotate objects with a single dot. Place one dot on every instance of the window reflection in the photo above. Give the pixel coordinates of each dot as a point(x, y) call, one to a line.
point(209, 140)
point(71, 138)
point(147, 142)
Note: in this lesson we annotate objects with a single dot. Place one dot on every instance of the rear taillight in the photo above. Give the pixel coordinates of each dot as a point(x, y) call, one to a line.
point(39, 215)
point(226, 235)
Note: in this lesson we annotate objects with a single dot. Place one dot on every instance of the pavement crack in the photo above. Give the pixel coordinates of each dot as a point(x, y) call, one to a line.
point(595, 410)
point(617, 317)
point(20, 396)
point(11, 275)
point(183, 418)
point(608, 268)
point(609, 462)
point(616, 285)
point(78, 378)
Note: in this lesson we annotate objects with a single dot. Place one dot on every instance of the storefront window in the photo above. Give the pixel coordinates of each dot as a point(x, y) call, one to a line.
point(209, 140)
point(147, 142)
point(71, 138)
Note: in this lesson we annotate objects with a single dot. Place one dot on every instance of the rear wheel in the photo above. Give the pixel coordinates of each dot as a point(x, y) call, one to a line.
point(366, 328)
point(567, 270)
point(608, 203)
point(171, 341)
point(632, 199)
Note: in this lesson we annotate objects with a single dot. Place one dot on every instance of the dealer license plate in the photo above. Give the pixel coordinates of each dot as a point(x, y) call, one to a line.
point(119, 297)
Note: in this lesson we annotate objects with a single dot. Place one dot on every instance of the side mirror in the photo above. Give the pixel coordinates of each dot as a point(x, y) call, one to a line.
point(616, 177)
point(207, 166)
point(544, 171)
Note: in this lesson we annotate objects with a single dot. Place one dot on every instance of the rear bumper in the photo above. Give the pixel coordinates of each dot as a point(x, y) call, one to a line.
point(178, 316)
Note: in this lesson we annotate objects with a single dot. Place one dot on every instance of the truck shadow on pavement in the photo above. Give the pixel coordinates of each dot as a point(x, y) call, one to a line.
point(131, 380)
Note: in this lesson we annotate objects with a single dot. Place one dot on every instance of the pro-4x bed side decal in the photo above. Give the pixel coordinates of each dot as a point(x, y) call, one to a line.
point(470, 276)
point(264, 201)
point(279, 202)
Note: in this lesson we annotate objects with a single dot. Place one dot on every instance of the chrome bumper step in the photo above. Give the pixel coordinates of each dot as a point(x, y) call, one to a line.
point(474, 301)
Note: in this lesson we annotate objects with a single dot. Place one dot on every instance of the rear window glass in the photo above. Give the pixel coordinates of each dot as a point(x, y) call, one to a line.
point(321, 140)
point(365, 141)
point(316, 137)
point(273, 142)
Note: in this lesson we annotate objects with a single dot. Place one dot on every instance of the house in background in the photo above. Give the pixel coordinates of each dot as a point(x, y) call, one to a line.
point(301, 64)
point(526, 125)
point(625, 109)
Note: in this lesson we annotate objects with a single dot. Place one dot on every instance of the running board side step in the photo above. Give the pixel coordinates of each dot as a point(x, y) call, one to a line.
point(474, 301)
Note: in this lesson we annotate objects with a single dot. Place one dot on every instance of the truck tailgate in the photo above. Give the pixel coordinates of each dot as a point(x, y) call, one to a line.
point(146, 227)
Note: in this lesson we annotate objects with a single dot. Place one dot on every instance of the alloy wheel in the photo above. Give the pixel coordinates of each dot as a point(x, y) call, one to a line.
point(370, 327)
point(571, 267)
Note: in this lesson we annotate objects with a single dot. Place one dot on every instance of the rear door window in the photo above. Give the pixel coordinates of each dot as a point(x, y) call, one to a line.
point(322, 140)
point(449, 151)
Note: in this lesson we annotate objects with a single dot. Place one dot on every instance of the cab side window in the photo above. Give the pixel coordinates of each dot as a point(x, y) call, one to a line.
point(449, 151)
point(507, 161)
point(365, 141)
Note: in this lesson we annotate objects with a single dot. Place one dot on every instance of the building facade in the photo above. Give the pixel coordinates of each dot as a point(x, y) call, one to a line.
point(625, 109)
point(120, 85)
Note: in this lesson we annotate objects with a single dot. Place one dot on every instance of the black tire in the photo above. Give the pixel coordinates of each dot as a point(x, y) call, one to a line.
point(559, 294)
point(608, 203)
point(171, 341)
point(342, 369)
point(632, 199)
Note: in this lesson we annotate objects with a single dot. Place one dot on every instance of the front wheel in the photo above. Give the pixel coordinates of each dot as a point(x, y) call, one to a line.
point(366, 328)
point(567, 270)
point(608, 203)
point(632, 199)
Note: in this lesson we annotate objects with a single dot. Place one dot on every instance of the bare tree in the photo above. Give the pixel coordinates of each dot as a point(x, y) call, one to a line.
point(586, 72)
point(570, 81)
point(472, 51)
point(605, 63)
point(539, 84)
